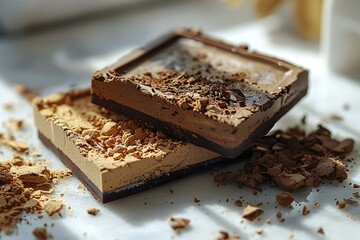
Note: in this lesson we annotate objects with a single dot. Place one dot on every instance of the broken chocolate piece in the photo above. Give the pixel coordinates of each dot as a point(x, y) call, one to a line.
point(293, 159)
point(284, 199)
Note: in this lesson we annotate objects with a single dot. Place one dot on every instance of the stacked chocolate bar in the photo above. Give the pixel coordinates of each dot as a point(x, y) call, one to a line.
point(184, 103)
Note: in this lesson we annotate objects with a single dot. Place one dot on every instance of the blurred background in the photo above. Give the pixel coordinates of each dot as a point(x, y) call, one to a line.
point(53, 42)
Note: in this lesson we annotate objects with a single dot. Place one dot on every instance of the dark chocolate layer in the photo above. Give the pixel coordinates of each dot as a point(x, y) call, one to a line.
point(122, 192)
point(187, 136)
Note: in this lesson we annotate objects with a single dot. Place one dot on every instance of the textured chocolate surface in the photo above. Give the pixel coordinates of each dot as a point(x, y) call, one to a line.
point(113, 155)
point(220, 92)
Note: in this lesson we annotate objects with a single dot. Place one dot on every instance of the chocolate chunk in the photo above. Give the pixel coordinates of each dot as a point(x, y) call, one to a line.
point(293, 159)
point(284, 199)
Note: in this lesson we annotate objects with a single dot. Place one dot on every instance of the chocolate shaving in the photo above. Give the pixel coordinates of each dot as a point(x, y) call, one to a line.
point(292, 159)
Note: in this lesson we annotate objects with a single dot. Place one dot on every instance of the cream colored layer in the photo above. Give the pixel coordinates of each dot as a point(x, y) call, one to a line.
point(58, 137)
point(221, 133)
point(106, 173)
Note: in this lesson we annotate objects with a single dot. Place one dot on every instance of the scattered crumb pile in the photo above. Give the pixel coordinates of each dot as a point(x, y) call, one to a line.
point(179, 223)
point(293, 159)
point(25, 186)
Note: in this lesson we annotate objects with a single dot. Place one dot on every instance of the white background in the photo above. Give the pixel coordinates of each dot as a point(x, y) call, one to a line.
point(55, 59)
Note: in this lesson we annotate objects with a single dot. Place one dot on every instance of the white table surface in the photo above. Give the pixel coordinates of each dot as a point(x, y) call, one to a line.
point(57, 59)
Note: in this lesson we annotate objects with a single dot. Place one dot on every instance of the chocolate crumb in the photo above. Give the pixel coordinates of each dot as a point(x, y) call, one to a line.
point(356, 185)
point(356, 194)
point(293, 159)
point(196, 200)
point(341, 204)
point(305, 210)
point(284, 199)
point(41, 234)
point(179, 223)
point(252, 212)
point(238, 203)
point(93, 211)
point(223, 235)
point(320, 231)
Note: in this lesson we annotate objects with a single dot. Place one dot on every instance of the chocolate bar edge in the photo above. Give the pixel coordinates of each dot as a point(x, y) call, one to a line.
point(109, 196)
point(187, 136)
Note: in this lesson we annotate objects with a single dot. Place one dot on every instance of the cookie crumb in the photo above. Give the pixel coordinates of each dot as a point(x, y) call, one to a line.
point(41, 234)
point(320, 231)
point(179, 223)
point(53, 206)
point(252, 212)
point(93, 211)
point(305, 210)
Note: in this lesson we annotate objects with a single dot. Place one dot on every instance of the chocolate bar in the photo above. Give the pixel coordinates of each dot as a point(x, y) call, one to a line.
point(201, 90)
point(112, 155)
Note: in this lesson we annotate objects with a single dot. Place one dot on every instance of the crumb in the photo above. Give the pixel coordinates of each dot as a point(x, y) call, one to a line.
point(252, 212)
point(284, 199)
point(356, 194)
point(223, 235)
point(356, 185)
point(320, 231)
point(317, 204)
point(293, 159)
point(53, 206)
point(196, 200)
point(341, 204)
point(25, 91)
point(238, 203)
point(222, 178)
point(41, 234)
point(305, 210)
point(93, 211)
point(303, 120)
point(260, 231)
point(336, 117)
point(9, 106)
point(15, 124)
point(179, 223)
